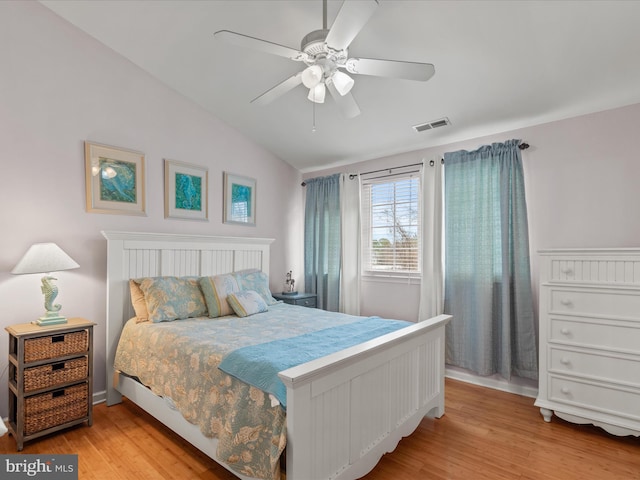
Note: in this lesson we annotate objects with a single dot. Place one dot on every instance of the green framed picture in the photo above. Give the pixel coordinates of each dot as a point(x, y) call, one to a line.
point(185, 191)
point(239, 199)
point(114, 180)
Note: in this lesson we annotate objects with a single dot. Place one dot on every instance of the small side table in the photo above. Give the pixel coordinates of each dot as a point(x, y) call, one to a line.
point(50, 378)
point(304, 299)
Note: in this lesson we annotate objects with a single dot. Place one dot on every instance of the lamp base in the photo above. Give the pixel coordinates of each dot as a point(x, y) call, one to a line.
point(51, 320)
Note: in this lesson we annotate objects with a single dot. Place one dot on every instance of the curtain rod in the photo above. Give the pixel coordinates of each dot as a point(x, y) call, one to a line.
point(522, 146)
point(353, 175)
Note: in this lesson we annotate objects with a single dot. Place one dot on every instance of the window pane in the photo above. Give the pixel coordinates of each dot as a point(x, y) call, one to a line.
point(382, 215)
point(391, 225)
point(378, 233)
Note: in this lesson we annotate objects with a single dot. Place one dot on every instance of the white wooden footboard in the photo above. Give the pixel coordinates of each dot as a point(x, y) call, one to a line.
point(348, 409)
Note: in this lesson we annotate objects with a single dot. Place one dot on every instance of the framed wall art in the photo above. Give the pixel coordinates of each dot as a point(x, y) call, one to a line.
point(186, 189)
point(239, 199)
point(114, 180)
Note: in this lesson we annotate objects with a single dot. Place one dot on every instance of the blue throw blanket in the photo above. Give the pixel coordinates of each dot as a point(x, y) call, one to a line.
point(258, 365)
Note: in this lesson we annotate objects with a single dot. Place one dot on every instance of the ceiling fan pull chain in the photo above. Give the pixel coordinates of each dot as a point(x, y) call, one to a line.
point(313, 128)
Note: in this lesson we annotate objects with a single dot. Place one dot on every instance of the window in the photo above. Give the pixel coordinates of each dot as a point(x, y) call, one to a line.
point(391, 224)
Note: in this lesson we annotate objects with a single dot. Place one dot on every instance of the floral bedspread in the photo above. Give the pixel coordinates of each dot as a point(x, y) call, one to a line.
point(180, 360)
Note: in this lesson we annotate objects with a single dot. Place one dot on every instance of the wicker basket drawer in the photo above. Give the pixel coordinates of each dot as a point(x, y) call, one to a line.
point(55, 408)
point(56, 345)
point(54, 374)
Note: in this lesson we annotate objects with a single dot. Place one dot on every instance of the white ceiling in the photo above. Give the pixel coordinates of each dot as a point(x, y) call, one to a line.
point(499, 65)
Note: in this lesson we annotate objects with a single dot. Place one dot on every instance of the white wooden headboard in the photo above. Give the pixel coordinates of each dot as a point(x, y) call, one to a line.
point(135, 255)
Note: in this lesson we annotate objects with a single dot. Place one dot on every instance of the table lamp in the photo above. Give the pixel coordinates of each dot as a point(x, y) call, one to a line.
point(46, 258)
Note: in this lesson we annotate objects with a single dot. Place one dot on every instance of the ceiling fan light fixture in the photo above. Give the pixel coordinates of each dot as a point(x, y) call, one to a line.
point(317, 93)
point(342, 82)
point(325, 51)
point(312, 76)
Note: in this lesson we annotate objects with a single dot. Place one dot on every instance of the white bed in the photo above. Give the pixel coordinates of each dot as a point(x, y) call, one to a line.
point(408, 364)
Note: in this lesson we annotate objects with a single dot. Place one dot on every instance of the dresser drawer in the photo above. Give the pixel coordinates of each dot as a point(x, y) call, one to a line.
point(621, 402)
point(53, 374)
point(596, 333)
point(610, 269)
point(56, 345)
point(623, 369)
point(306, 302)
point(55, 408)
point(606, 303)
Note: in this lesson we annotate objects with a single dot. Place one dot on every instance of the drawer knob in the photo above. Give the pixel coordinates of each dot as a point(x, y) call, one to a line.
point(565, 361)
point(565, 331)
point(566, 270)
point(566, 302)
point(565, 390)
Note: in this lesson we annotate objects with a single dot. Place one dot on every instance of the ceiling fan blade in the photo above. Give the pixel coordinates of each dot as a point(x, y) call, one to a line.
point(391, 68)
point(353, 15)
point(262, 45)
point(346, 103)
point(279, 90)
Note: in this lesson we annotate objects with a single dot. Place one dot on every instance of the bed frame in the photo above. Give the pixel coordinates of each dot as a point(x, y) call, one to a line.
point(344, 411)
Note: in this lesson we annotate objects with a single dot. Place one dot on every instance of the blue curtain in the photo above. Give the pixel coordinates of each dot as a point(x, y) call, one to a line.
point(487, 271)
point(322, 241)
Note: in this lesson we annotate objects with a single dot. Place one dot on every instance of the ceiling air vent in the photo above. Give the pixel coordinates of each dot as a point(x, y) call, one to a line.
point(431, 125)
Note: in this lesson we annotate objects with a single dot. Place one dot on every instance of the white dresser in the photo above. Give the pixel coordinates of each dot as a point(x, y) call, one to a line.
point(590, 337)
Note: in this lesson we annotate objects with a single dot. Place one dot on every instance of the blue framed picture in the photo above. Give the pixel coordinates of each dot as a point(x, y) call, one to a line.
point(239, 199)
point(114, 180)
point(185, 191)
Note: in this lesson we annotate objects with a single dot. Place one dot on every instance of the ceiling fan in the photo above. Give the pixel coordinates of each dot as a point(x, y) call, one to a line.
point(325, 54)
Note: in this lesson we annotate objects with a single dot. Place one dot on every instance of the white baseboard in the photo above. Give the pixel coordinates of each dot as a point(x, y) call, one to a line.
point(524, 387)
point(99, 397)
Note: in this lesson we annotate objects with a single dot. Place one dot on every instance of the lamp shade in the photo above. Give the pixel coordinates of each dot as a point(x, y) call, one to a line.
point(317, 93)
point(312, 75)
point(44, 258)
point(342, 82)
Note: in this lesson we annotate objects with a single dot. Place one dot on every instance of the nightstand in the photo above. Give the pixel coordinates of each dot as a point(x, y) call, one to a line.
point(50, 378)
point(304, 299)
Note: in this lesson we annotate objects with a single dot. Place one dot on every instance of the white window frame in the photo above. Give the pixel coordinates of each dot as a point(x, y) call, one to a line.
point(367, 235)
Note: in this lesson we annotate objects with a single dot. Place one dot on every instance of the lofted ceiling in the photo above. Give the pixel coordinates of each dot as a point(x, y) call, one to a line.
point(499, 65)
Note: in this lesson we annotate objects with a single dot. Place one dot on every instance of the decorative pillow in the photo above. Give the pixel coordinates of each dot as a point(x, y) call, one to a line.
point(246, 302)
point(215, 291)
point(172, 298)
point(257, 281)
point(138, 302)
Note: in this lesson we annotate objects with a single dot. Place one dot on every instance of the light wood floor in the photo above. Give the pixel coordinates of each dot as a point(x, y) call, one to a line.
point(485, 434)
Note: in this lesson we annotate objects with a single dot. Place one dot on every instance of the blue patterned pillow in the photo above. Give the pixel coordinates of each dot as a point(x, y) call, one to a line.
point(246, 302)
point(215, 290)
point(172, 298)
point(257, 281)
